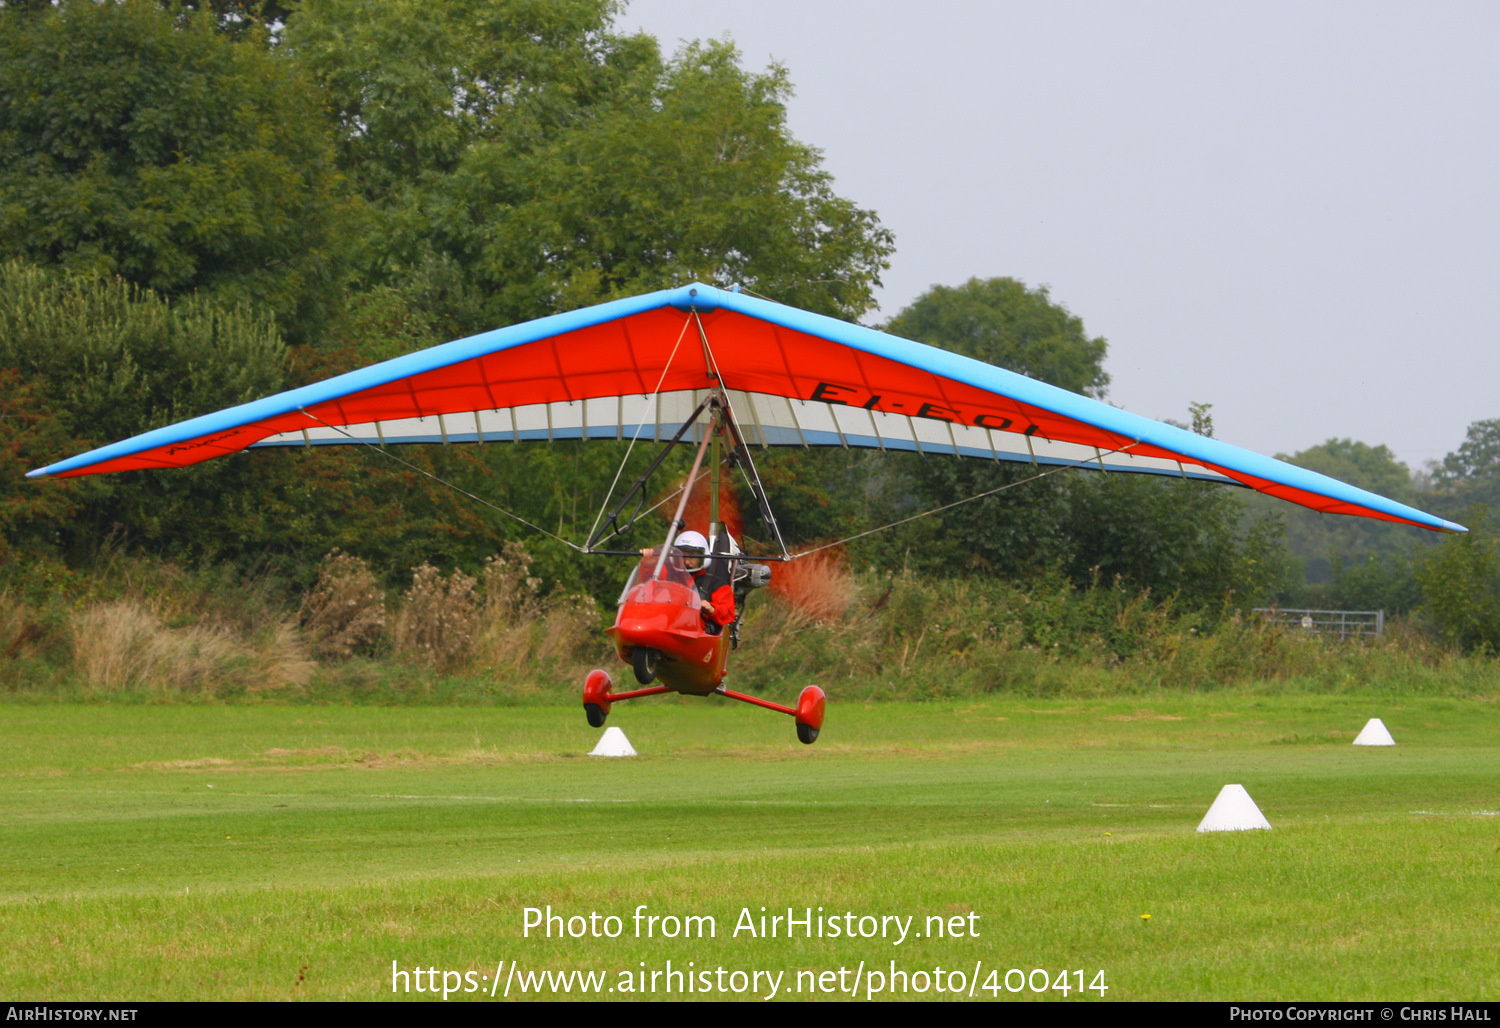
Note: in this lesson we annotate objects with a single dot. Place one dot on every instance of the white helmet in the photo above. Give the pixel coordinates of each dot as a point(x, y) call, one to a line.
point(693, 546)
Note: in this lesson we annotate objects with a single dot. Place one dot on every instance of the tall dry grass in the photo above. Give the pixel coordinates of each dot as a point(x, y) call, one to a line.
point(21, 632)
point(151, 626)
point(438, 621)
point(520, 629)
point(498, 625)
point(155, 629)
point(121, 645)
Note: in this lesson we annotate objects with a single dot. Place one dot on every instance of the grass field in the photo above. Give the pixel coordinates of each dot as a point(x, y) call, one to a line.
point(278, 852)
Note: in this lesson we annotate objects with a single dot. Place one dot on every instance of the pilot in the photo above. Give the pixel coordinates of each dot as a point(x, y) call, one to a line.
point(717, 593)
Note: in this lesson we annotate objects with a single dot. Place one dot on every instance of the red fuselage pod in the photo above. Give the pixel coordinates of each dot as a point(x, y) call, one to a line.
point(663, 614)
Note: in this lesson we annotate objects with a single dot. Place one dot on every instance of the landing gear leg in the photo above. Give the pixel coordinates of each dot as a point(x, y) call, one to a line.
point(597, 698)
point(808, 711)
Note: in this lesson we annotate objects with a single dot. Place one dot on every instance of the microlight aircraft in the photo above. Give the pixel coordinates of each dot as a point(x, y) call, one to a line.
point(730, 374)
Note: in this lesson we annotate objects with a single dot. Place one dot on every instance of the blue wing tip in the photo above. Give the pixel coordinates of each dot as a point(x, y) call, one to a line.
point(1450, 526)
point(38, 473)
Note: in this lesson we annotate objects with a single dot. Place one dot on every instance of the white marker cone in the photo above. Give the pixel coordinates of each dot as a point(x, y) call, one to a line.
point(1374, 734)
point(1233, 811)
point(613, 744)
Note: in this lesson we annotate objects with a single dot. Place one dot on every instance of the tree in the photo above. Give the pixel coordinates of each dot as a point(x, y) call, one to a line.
point(140, 141)
point(522, 156)
point(186, 170)
point(1022, 530)
point(1369, 467)
point(31, 434)
point(1461, 581)
point(1002, 322)
point(85, 361)
point(520, 159)
point(692, 174)
point(1471, 474)
point(414, 86)
point(1477, 457)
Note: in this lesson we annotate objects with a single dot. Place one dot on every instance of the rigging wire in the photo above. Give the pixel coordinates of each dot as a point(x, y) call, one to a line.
point(760, 296)
point(640, 424)
point(968, 499)
point(752, 478)
point(686, 485)
point(442, 481)
point(479, 499)
point(724, 389)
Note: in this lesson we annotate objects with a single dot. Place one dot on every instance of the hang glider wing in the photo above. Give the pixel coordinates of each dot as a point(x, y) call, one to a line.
point(638, 367)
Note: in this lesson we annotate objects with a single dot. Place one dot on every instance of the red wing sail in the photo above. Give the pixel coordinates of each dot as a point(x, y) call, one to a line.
point(638, 368)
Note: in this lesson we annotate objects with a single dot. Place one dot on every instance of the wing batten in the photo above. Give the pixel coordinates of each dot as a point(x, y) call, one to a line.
point(875, 428)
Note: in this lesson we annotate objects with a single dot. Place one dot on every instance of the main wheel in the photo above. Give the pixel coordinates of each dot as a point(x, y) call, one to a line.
point(596, 697)
point(644, 661)
point(810, 707)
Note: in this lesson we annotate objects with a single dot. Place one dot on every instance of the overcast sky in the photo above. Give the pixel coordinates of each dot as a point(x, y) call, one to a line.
point(1287, 210)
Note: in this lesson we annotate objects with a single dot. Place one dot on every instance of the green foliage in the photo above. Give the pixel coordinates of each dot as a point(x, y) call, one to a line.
point(534, 162)
point(86, 361)
point(907, 636)
point(692, 175)
point(143, 627)
point(1471, 474)
point(1369, 467)
point(1357, 563)
point(31, 434)
point(1002, 322)
point(120, 359)
point(413, 86)
point(1387, 583)
point(478, 163)
point(138, 140)
point(240, 18)
point(1176, 538)
point(1477, 457)
point(1461, 581)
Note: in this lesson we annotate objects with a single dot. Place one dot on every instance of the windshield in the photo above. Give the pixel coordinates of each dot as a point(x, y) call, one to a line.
point(672, 570)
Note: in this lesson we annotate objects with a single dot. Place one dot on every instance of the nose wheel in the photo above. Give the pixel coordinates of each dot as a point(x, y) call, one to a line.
point(644, 660)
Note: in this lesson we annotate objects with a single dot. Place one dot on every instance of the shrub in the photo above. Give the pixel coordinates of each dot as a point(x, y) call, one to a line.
point(1461, 580)
point(521, 629)
point(439, 619)
point(345, 612)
